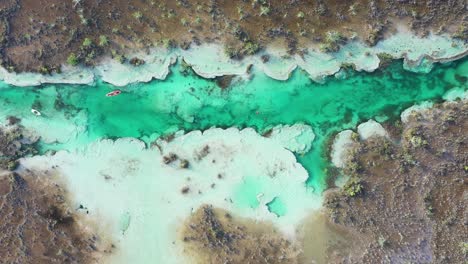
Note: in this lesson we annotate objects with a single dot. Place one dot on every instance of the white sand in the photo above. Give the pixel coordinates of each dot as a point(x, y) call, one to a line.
point(371, 129)
point(130, 191)
point(415, 109)
point(341, 144)
point(296, 138)
point(209, 61)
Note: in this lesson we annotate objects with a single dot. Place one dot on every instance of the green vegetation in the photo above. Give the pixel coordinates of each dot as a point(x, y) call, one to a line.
point(103, 41)
point(332, 42)
point(352, 10)
point(353, 187)
point(428, 205)
point(168, 43)
point(464, 247)
point(118, 57)
point(45, 70)
point(384, 58)
point(418, 141)
point(87, 42)
point(231, 52)
point(250, 48)
point(138, 15)
point(461, 33)
point(185, 68)
point(90, 56)
point(72, 59)
point(334, 37)
point(382, 241)
point(355, 137)
point(300, 15)
point(264, 10)
point(11, 146)
point(241, 12)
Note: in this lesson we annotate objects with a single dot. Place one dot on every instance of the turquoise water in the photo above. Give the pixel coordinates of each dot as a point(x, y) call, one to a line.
point(190, 102)
point(277, 207)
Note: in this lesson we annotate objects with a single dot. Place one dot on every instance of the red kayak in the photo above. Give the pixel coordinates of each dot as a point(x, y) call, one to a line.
point(114, 93)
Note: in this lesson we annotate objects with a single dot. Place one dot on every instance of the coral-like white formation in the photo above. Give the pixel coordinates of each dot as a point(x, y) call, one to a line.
point(370, 129)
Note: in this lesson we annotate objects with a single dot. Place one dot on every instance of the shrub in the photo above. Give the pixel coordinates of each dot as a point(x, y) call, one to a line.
point(138, 15)
point(103, 41)
point(87, 42)
point(353, 187)
point(264, 11)
point(72, 59)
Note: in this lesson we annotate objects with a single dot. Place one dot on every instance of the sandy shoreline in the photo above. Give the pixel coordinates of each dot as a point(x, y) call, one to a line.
point(210, 61)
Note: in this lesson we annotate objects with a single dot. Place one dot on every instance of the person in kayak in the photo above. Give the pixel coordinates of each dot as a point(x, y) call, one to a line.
point(114, 93)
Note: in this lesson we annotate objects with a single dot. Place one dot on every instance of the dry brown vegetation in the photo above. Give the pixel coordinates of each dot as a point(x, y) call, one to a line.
point(407, 198)
point(214, 236)
point(39, 35)
point(38, 226)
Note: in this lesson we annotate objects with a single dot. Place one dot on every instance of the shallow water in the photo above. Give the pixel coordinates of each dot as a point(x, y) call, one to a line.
point(141, 188)
point(80, 114)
